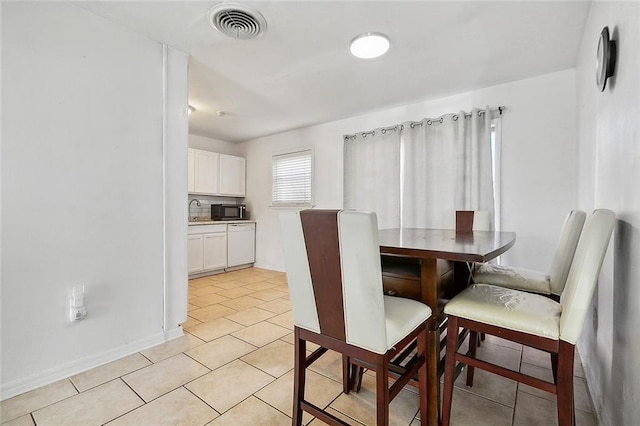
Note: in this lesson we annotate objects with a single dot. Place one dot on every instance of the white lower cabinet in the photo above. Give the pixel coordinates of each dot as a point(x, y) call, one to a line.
point(194, 254)
point(207, 248)
point(215, 250)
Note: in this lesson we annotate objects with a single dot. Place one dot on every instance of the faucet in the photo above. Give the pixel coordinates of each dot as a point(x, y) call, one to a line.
point(197, 204)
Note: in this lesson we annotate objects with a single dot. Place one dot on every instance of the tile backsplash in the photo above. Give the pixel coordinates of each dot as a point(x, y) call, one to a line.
point(204, 211)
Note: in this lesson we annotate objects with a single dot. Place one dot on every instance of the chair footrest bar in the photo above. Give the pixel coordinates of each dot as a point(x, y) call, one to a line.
point(322, 415)
point(505, 372)
point(314, 356)
point(412, 370)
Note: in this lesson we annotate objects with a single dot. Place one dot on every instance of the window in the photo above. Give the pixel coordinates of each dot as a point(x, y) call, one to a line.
point(292, 177)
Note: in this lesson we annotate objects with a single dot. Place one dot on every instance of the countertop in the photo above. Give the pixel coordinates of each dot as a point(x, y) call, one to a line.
point(219, 222)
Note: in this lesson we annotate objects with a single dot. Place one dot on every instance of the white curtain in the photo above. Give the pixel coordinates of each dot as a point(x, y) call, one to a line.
point(428, 172)
point(372, 174)
point(446, 167)
point(474, 180)
point(418, 175)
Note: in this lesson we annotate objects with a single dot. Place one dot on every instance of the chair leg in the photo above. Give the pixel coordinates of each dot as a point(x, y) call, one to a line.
point(473, 343)
point(347, 374)
point(300, 363)
point(382, 392)
point(566, 414)
point(554, 367)
point(449, 367)
point(422, 377)
point(358, 372)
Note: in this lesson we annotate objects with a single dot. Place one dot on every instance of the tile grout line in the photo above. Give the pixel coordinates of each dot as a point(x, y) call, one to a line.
point(48, 405)
point(205, 402)
point(138, 395)
point(165, 393)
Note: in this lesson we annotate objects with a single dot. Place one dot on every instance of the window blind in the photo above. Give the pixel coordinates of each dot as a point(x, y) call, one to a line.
point(291, 178)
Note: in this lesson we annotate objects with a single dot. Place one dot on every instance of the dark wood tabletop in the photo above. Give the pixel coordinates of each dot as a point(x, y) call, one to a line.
point(447, 244)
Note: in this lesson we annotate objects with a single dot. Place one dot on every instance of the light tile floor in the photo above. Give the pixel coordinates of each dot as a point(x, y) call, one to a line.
point(234, 366)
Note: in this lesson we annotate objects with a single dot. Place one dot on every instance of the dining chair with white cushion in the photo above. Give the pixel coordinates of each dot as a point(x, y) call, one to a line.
point(334, 276)
point(533, 281)
point(532, 320)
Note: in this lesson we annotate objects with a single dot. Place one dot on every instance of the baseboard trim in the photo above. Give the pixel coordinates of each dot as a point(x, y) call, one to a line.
point(268, 267)
point(206, 273)
point(238, 267)
point(594, 390)
point(46, 377)
point(173, 334)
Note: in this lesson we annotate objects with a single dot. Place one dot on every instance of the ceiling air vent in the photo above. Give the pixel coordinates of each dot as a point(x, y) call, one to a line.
point(237, 21)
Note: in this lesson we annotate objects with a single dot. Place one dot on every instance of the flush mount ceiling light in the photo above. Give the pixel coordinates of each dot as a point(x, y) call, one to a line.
point(369, 45)
point(237, 20)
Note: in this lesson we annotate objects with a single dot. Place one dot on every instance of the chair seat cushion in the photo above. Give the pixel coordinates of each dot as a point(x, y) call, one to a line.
point(506, 308)
point(515, 278)
point(402, 317)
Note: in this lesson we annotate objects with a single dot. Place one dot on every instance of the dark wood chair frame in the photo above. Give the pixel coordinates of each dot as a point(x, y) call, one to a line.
point(378, 362)
point(562, 359)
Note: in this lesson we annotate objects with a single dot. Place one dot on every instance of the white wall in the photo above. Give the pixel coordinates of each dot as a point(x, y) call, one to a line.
point(539, 162)
point(213, 145)
point(82, 191)
point(176, 127)
point(609, 170)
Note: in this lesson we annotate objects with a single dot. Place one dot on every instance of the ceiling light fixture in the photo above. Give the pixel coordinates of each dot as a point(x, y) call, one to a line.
point(190, 110)
point(369, 45)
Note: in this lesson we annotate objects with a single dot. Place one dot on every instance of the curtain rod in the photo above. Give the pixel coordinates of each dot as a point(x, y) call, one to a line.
point(429, 122)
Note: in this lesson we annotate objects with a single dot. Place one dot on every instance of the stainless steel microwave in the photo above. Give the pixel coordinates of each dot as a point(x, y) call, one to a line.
point(228, 211)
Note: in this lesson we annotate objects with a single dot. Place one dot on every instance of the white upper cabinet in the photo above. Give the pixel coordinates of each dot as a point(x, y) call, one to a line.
point(206, 172)
point(232, 175)
point(211, 173)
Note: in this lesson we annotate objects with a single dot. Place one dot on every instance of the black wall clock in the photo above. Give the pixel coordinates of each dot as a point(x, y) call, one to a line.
point(605, 59)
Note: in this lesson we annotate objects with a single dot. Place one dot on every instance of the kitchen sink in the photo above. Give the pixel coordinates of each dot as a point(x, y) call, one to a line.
point(199, 219)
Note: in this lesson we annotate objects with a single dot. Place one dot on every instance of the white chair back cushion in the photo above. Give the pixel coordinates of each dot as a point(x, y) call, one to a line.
point(303, 302)
point(584, 273)
point(362, 281)
point(565, 250)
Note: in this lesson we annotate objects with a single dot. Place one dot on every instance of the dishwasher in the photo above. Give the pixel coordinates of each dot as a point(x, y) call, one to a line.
point(241, 244)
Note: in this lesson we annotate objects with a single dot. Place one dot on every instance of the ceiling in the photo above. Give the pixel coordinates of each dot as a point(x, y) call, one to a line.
point(300, 72)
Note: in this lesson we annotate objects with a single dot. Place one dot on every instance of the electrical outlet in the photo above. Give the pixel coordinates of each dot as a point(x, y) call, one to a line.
point(77, 297)
point(78, 311)
point(78, 314)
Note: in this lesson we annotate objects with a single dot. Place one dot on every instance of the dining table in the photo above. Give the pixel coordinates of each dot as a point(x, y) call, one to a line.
point(432, 266)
